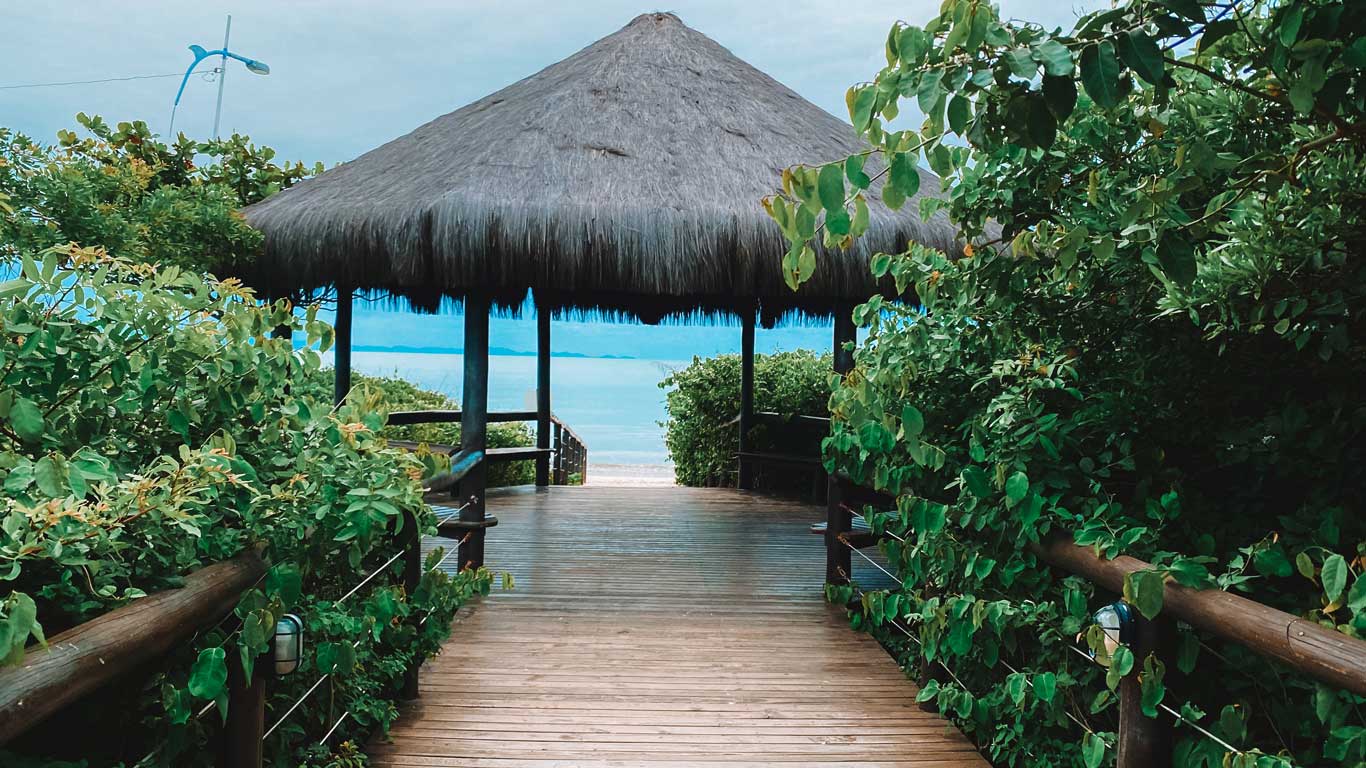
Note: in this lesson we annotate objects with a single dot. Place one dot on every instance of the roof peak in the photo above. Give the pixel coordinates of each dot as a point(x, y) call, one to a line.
point(657, 17)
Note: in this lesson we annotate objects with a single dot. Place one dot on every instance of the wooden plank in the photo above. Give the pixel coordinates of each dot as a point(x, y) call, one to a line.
point(87, 656)
point(662, 627)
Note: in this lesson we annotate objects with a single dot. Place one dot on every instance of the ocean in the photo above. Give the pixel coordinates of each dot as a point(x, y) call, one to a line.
point(615, 405)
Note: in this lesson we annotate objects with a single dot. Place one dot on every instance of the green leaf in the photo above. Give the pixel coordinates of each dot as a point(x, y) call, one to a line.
point(929, 90)
point(1092, 750)
point(1304, 565)
point(830, 187)
point(861, 107)
point(1100, 74)
point(1145, 591)
point(50, 473)
point(912, 421)
point(1015, 687)
point(1045, 686)
point(1060, 93)
point(1334, 577)
point(1176, 256)
point(976, 481)
point(1189, 8)
point(1055, 57)
point(1043, 126)
point(1356, 598)
point(1141, 53)
point(904, 175)
point(1152, 691)
point(959, 113)
point(853, 169)
point(1017, 486)
point(209, 675)
point(27, 420)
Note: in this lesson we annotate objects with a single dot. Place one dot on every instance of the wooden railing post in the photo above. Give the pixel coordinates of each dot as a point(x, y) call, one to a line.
point(244, 731)
point(1145, 742)
point(838, 559)
point(558, 443)
point(412, 577)
point(474, 425)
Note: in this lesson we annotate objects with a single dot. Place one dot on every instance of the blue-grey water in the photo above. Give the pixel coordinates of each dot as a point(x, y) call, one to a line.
point(614, 405)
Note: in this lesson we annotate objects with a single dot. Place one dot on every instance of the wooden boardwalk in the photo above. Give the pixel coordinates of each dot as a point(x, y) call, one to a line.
point(662, 627)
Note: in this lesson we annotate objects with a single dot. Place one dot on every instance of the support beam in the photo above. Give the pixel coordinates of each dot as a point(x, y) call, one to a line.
point(542, 390)
point(341, 346)
point(1145, 742)
point(745, 479)
point(844, 332)
point(474, 423)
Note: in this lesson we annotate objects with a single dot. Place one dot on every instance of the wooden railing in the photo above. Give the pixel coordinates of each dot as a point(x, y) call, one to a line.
point(131, 639)
point(565, 458)
point(1322, 654)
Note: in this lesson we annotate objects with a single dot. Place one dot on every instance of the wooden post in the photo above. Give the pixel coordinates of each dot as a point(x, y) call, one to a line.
point(558, 442)
point(412, 577)
point(244, 731)
point(745, 478)
point(838, 565)
point(474, 414)
point(341, 346)
point(542, 391)
point(844, 332)
point(1145, 742)
point(838, 559)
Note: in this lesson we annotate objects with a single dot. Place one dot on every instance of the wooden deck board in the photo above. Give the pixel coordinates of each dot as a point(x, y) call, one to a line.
point(662, 627)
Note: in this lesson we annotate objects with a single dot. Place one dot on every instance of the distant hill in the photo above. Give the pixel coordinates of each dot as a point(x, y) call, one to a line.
point(493, 351)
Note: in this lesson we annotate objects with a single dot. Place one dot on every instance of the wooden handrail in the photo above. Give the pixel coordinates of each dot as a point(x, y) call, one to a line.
point(1324, 654)
point(407, 418)
point(91, 654)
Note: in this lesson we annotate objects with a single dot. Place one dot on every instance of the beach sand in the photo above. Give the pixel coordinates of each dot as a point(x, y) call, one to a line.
point(630, 475)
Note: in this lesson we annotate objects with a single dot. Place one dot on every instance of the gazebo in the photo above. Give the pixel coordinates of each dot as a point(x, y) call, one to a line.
point(626, 179)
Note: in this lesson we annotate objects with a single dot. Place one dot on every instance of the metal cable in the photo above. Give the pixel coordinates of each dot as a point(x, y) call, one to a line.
point(333, 729)
point(1070, 646)
point(371, 577)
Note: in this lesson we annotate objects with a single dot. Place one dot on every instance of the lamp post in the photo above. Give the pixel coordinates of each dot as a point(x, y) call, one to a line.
point(253, 66)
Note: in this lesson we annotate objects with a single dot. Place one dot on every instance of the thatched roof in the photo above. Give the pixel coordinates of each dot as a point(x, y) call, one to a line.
point(627, 177)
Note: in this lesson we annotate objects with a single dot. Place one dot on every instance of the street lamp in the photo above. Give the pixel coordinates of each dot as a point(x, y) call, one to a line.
point(253, 66)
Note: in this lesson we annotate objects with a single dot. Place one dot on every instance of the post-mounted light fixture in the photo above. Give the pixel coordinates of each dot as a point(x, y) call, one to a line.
point(287, 650)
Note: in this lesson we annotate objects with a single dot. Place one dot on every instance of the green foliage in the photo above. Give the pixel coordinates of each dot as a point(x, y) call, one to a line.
point(703, 400)
point(150, 424)
point(397, 394)
point(1153, 342)
point(139, 198)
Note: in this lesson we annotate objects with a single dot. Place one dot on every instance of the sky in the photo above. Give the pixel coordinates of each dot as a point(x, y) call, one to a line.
point(347, 76)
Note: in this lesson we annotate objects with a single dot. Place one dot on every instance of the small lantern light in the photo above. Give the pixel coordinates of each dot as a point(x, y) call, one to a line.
point(1116, 621)
point(288, 649)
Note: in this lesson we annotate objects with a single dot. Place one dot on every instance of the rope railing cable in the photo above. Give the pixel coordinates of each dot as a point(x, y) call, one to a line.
point(333, 729)
point(1070, 646)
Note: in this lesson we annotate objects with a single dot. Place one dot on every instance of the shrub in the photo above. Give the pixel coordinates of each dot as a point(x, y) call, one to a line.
point(704, 398)
point(149, 425)
point(394, 393)
point(141, 199)
point(1159, 352)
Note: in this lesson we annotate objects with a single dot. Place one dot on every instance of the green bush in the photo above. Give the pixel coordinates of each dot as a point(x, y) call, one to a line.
point(150, 425)
point(122, 189)
point(703, 399)
point(1154, 344)
point(397, 394)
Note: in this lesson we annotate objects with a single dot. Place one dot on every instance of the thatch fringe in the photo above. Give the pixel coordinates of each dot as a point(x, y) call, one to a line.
point(626, 178)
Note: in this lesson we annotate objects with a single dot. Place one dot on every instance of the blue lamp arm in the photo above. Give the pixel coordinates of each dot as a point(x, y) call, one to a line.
point(200, 54)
